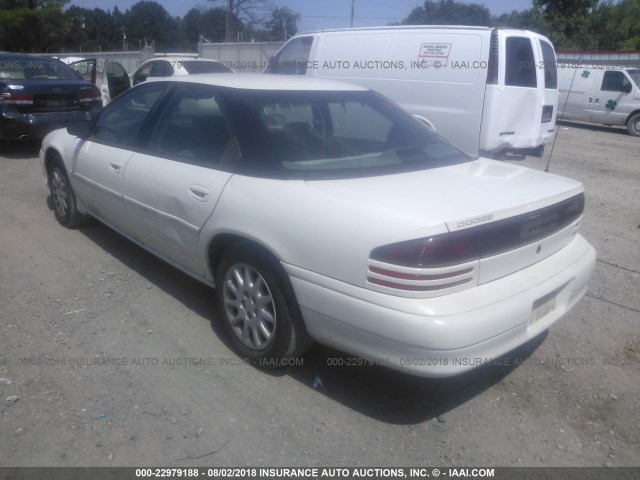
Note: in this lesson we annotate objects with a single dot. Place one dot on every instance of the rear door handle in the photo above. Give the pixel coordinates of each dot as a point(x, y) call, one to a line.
point(115, 167)
point(198, 192)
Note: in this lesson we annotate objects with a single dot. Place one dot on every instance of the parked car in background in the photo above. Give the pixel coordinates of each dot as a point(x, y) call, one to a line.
point(600, 94)
point(323, 211)
point(113, 79)
point(486, 90)
point(176, 66)
point(39, 94)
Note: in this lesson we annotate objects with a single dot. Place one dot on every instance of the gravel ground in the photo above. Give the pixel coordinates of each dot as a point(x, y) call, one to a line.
point(98, 337)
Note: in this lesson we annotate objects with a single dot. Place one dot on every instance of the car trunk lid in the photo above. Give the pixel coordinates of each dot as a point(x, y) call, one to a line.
point(43, 96)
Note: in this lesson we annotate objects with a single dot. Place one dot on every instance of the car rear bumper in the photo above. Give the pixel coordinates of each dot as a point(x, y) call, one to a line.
point(28, 126)
point(448, 335)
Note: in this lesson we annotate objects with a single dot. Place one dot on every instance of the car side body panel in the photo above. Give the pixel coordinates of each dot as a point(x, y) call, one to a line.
point(323, 232)
point(168, 203)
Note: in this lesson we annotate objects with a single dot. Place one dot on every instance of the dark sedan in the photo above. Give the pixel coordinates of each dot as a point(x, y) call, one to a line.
point(39, 94)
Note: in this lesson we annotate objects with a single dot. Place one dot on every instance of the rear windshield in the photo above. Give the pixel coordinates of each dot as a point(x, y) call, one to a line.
point(521, 65)
point(336, 134)
point(35, 69)
point(191, 66)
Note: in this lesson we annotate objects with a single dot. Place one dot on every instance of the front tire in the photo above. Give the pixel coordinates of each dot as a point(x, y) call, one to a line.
point(633, 125)
point(63, 197)
point(260, 314)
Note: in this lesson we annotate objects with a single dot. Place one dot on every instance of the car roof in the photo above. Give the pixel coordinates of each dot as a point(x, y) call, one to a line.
point(26, 56)
point(257, 81)
point(395, 28)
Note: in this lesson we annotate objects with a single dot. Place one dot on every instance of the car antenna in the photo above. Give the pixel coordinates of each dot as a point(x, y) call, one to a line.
point(553, 144)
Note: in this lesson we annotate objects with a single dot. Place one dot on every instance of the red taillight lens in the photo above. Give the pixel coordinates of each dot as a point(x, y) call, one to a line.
point(436, 251)
point(14, 98)
point(89, 94)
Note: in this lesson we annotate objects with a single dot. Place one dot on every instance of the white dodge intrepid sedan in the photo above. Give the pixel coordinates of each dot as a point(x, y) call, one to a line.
point(322, 211)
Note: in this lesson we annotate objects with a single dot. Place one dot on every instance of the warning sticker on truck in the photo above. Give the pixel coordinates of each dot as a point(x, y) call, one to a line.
point(434, 54)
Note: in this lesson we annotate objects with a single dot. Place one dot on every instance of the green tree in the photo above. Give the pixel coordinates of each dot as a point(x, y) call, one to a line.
point(91, 29)
point(147, 22)
point(207, 22)
point(249, 12)
point(449, 12)
point(630, 25)
point(569, 22)
point(31, 25)
point(283, 23)
point(530, 19)
point(618, 25)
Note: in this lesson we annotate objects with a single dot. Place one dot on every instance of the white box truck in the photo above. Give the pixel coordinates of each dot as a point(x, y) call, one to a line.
point(487, 90)
point(600, 94)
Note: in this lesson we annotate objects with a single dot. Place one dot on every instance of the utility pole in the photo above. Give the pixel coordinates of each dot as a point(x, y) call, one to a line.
point(353, 12)
point(284, 29)
point(227, 23)
point(124, 39)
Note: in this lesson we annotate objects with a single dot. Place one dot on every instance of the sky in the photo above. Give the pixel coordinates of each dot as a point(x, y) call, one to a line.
point(317, 14)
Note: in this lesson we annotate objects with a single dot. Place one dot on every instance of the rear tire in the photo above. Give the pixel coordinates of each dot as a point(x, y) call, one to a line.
point(63, 197)
point(633, 125)
point(260, 314)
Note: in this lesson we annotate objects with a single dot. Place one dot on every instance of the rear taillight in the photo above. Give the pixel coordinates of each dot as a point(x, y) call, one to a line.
point(494, 59)
point(481, 241)
point(436, 251)
point(15, 98)
point(450, 261)
point(420, 280)
point(89, 94)
point(434, 264)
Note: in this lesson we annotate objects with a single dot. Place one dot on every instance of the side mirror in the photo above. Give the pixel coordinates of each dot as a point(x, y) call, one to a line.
point(627, 88)
point(426, 122)
point(79, 128)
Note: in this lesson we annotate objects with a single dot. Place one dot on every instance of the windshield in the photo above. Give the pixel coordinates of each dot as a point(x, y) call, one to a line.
point(36, 68)
point(635, 75)
point(192, 66)
point(337, 134)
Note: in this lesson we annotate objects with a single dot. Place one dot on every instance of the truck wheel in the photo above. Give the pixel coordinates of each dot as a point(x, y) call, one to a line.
point(62, 196)
point(633, 125)
point(258, 307)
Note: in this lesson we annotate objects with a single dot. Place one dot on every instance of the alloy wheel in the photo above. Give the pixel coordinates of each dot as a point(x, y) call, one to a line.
point(249, 306)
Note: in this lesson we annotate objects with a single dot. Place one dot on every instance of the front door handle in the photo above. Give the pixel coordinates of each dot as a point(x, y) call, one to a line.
point(200, 193)
point(115, 167)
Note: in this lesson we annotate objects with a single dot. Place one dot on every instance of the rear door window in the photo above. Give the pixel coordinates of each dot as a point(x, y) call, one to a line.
point(192, 127)
point(549, 65)
point(520, 63)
